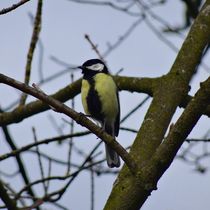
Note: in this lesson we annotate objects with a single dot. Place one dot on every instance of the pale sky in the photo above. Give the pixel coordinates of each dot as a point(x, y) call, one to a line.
point(142, 54)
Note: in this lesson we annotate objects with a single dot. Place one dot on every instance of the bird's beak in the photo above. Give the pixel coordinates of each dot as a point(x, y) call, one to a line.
point(80, 67)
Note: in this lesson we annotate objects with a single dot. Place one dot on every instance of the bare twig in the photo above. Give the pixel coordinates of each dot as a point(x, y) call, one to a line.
point(16, 151)
point(198, 140)
point(60, 206)
point(129, 129)
point(39, 160)
point(92, 189)
point(60, 192)
point(34, 39)
point(11, 175)
point(55, 125)
point(123, 37)
point(10, 203)
point(36, 204)
point(41, 82)
point(109, 4)
point(51, 178)
point(13, 7)
point(160, 35)
point(61, 62)
point(49, 173)
point(20, 164)
point(94, 47)
point(41, 53)
point(71, 131)
point(134, 109)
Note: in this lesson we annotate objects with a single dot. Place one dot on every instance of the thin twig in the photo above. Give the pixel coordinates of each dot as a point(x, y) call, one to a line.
point(18, 158)
point(51, 178)
point(123, 37)
point(129, 129)
point(13, 193)
point(34, 39)
point(39, 159)
point(49, 173)
point(97, 170)
point(92, 189)
point(134, 109)
point(58, 161)
point(61, 62)
point(87, 159)
point(94, 47)
point(41, 82)
point(198, 140)
point(160, 35)
point(10, 203)
point(71, 131)
point(13, 7)
point(36, 204)
point(10, 175)
point(55, 125)
point(41, 53)
point(58, 205)
point(16, 151)
point(109, 4)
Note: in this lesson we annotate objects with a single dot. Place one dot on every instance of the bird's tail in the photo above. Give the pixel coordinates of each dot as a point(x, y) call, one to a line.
point(112, 158)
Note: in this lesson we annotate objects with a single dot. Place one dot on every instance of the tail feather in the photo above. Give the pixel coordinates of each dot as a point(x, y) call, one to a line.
point(112, 158)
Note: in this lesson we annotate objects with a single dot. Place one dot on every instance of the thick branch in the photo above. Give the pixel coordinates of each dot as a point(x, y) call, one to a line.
point(135, 84)
point(36, 107)
point(167, 95)
point(187, 100)
point(167, 151)
point(149, 174)
point(79, 118)
point(179, 132)
point(125, 83)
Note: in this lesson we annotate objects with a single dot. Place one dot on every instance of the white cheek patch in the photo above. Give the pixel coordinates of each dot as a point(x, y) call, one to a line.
point(96, 67)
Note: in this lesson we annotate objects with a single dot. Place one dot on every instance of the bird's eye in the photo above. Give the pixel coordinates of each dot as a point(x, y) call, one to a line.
point(96, 67)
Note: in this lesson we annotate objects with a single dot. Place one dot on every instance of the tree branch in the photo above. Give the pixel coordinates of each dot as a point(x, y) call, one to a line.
point(34, 39)
point(149, 174)
point(20, 164)
point(10, 204)
point(124, 83)
point(167, 95)
point(36, 107)
point(13, 7)
point(165, 154)
point(16, 151)
point(79, 118)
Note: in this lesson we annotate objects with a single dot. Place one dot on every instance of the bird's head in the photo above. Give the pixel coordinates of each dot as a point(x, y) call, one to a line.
point(93, 66)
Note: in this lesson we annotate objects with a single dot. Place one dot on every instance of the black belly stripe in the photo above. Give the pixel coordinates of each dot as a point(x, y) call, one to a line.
point(94, 103)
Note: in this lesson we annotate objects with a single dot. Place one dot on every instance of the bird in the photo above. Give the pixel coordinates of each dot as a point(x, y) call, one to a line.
point(100, 100)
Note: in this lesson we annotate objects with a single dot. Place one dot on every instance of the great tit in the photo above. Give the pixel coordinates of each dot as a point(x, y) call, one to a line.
point(101, 101)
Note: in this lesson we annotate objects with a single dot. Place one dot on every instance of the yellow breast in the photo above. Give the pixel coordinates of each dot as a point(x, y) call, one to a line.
point(84, 93)
point(107, 93)
point(106, 88)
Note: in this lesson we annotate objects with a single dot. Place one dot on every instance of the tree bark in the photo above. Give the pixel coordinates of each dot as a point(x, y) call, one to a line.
point(130, 192)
